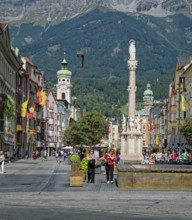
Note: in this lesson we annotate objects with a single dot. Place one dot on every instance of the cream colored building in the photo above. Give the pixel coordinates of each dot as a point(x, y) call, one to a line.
point(52, 123)
point(9, 66)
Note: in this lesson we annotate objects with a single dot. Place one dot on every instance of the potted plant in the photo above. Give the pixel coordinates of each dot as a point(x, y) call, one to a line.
point(84, 166)
point(75, 162)
point(77, 176)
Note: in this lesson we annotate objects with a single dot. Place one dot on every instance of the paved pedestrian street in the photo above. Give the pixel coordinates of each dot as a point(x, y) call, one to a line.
point(35, 189)
point(45, 176)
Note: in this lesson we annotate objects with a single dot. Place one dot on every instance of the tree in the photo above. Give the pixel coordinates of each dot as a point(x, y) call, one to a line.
point(9, 109)
point(6, 107)
point(186, 130)
point(88, 130)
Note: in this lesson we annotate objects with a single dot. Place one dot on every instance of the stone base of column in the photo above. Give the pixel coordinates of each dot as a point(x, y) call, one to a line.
point(132, 151)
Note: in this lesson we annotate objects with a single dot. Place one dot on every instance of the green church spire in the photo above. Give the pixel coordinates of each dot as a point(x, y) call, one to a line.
point(64, 72)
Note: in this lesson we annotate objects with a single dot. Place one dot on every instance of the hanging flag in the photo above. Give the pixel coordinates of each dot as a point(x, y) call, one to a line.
point(24, 108)
point(43, 98)
point(31, 112)
point(157, 140)
point(69, 118)
point(39, 95)
point(183, 103)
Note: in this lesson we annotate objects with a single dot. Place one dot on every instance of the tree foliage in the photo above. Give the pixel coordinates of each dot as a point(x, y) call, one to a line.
point(9, 109)
point(88, 130)
point(186, 130)
point(6, 107)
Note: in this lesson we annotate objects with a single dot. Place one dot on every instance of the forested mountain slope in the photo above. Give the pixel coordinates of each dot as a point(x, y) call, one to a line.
point(104, 37)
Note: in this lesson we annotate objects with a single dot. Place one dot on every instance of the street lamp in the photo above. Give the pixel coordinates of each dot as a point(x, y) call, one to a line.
point(73, 108)
point(80, 54)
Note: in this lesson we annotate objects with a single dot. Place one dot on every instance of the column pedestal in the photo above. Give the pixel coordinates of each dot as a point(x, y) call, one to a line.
point(131, 152)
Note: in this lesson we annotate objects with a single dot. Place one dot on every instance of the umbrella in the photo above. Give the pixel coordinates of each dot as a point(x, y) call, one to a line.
point(67, 148)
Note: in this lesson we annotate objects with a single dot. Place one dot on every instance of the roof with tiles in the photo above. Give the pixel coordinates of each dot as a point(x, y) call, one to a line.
point(29, 61)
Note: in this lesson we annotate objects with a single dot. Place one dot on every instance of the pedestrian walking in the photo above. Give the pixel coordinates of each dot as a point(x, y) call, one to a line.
point(91, 166)
point(110, 157)
point(117, 158)
point(53, 153)
point(64, 155)
point(45, 155)
point(26, 154)
point(34, 155)
point(8, 157)
point(2, 161)
point(42, 155)
point(37, 153)
point(59, 157)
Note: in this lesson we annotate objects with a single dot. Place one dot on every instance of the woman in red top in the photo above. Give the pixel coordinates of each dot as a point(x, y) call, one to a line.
point(110, 157)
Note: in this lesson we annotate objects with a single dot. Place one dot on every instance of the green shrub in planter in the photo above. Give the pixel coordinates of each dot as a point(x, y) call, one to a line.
point(84, 164)
point(74, 158)
point(75, 162)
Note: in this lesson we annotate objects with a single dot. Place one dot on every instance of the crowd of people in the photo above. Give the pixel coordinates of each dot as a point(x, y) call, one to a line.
point(183, 157)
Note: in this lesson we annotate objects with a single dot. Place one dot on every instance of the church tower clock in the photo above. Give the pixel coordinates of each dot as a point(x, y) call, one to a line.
point(64, 82)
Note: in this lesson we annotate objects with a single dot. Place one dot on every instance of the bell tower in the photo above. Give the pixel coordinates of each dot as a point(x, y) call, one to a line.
point(64, 82)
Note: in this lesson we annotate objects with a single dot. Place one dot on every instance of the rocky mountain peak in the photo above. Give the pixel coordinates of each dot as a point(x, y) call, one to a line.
point(49, 11)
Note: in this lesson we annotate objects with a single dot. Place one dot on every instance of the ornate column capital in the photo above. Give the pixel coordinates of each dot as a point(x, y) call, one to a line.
point(132, 64)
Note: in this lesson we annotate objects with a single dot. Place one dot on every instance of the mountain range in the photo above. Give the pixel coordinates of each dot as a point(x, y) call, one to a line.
point(56, 11)
point(43, 29)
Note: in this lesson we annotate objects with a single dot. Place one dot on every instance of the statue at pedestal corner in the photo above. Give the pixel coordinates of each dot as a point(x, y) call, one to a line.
point(131, 124)
point(138, 123)
point(124, 123)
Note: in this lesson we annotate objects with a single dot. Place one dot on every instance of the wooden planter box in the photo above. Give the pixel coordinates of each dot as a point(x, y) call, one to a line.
point(77, 180)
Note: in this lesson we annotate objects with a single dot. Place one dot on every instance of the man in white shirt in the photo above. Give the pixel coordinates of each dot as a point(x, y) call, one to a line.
point(96, 153)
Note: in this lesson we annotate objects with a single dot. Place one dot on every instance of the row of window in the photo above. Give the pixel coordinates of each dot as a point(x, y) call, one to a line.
point(64, 80)
point(7, 72)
